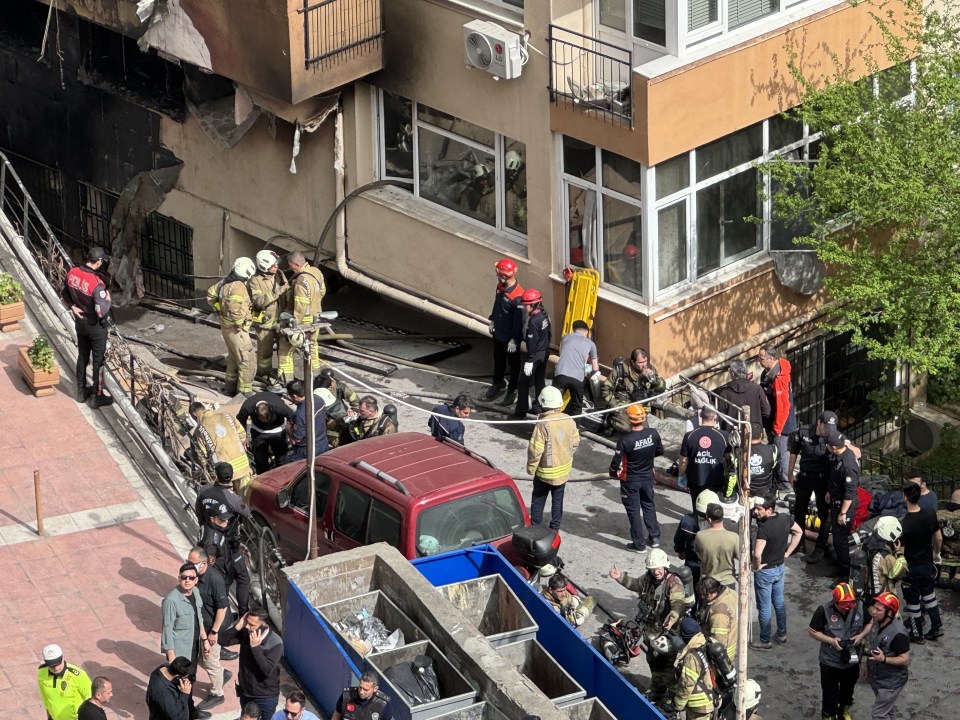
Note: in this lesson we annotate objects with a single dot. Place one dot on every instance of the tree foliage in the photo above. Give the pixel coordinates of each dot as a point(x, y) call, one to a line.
point(882, 202)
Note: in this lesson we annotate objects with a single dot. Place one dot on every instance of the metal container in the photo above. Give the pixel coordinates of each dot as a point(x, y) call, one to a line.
point(591, 709)
point(544, 671)
point(493, 608)
point(480, 711)
point(377, 604)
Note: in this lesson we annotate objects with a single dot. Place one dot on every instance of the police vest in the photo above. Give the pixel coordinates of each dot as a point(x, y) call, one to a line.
point(840, 627)
point(87, 291)
point(814, 455)
point(356, 709)
point(883, 674)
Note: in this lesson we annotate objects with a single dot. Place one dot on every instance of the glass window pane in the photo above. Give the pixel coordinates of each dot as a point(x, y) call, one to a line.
point(701, 13)
point(784, 131)
point(740, 12)
point(672, 244)
point(782, 232)
point(579, 159)
point(457, 176)
point(673, 175)
point(650, 20)
point(350, 515)
point(397, 136)
point(384, 525)
point(728, 152)
point(621, 174)
point(515, 184)
point(455, 125)
point(613, 14)
point(622, 256)
point(469, 520)
point(722, 232)
point(581, 233)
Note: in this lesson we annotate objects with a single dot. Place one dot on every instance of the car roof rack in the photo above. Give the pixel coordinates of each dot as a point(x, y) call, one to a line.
point(463, 448)
point(379, 474)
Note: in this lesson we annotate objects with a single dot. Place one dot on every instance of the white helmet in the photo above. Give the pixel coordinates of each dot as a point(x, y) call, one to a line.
point(244, 267)
point(888, 528)
point(512, 160)
point(550, 398)
point(753, 694)
point(707, 497)
point(657, 558)
point(266, 259)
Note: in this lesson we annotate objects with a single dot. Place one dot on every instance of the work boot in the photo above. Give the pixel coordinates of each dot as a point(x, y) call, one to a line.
point(84, 393)
point(509, 399)
point(493, 392)
point(934, 634)
point(229, 390)
point(844, 713)
point(814, 557)
point(102, 401)
point(916, 638)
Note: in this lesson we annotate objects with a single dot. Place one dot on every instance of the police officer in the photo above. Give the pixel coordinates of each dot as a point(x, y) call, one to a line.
point(632, 463)
point(809, 444)
point(220, 437)
point(630, 382)
point(216, 531)
point(703, 456)
point(364, 702)
point(506, 327)
point(536, 340)
point(230, 298)
point(307, 288)
point(88, 299)
point(842, 487)
point(267, 288)
point(63, 687)
point(838, 625)
point(888, 654)
point(764, 465)
point(213, 499)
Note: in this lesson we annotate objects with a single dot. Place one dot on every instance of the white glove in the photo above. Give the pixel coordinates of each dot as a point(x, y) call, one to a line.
point(512, 347)
point(491, 328)
point(528, 368)
point(938, 559)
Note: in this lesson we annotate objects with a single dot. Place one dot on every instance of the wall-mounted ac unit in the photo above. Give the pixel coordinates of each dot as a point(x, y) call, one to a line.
point(489, 47)
point(924, 427)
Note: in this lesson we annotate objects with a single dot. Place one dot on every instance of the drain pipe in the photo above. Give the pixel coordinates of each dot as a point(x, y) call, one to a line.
point(408, 296)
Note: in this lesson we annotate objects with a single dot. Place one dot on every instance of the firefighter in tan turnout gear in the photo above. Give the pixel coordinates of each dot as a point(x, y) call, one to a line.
point(267, 290)
point(231, 301)
point(307, 289)
point(219, 437)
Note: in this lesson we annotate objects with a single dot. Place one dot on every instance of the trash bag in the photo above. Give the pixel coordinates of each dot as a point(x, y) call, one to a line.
point(417, 680)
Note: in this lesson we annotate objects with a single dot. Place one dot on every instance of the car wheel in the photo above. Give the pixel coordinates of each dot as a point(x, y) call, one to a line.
point(248, 534)
point(270, 563)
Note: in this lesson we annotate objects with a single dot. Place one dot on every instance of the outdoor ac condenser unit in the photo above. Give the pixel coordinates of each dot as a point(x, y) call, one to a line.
point(924, 427)
point(489, 47)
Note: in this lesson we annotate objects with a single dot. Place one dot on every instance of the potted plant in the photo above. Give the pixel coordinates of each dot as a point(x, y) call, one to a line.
point(38, 367)
point(11, 303)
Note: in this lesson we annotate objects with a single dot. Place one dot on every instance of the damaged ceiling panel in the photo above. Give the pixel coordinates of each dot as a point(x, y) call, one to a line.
point(131, 18)
point(221, 111)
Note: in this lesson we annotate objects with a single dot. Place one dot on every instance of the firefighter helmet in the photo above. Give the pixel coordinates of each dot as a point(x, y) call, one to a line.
point(844, 597)
point(512, 160)
point(753, 694)
point(550, 398)
point(296, 339)
point(657, 558)
point(636, 414)
point(531, 297)
point(888, 528)
point(707, 497)
point(244, 267)
point(506, 267)
point(889, 601)
point(266, 259)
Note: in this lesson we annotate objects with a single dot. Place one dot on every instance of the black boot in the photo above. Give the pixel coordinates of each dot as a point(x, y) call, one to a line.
point(102, 401)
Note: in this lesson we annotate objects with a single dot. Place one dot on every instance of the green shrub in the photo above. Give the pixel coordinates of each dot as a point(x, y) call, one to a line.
point(40, 354)
point(10, 290)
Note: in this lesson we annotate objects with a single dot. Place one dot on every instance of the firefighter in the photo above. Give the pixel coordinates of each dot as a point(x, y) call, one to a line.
point(219, 437)
point(630, 382)
point(948, 520)
point(346, 401)
point(506, 327)
point(88, 300)
point(574, 609)
point(369, 421)
point(267, 289)
point(662, 603)
point(536, 340)
point(696, 691)
point(230, 298)
point(307, 288)
point(550, 457)
point(838, 625)
point(885, 562)
point(632, 464)
point(717, 612)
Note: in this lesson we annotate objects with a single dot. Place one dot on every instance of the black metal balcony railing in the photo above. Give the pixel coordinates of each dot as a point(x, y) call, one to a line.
point(592, 75)
point(332, 28)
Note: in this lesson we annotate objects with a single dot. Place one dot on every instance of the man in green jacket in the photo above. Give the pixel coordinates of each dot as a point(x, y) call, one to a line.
point(63, 687)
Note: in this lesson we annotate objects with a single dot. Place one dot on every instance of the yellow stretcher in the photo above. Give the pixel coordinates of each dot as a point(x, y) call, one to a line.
point(581, 298)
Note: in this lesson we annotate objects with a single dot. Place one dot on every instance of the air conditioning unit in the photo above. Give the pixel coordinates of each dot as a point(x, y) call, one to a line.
point(924, 427)
point(490, 47)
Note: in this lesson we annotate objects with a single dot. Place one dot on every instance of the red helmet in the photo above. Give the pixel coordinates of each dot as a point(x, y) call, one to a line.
point(630, 251)
point(506, 267)
point(889, 601)
point(531, 297)
point(844, 597)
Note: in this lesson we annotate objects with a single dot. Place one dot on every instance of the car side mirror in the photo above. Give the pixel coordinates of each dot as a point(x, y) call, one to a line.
point(283, 498)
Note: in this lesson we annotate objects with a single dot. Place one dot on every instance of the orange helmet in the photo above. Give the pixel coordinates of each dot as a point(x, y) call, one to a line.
point(506, 267)
point(630, 251)
point(531, 297)
point(844, 597)
point(636, 414)
point(889, 601)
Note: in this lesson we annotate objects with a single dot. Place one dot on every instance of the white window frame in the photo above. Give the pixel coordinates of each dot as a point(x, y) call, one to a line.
point(498, 151)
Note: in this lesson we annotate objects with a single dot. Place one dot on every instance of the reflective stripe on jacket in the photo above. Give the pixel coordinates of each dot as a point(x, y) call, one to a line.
point(551, 449)
point(308, 290)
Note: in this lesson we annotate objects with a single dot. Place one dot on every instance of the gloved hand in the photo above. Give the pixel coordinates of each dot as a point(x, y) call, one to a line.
point(491, 327)
point(938, 559)
point(528, 368)
point(512, 347)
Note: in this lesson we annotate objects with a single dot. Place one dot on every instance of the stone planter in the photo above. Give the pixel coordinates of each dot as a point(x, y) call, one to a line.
point(40, 382)
point(10, 316)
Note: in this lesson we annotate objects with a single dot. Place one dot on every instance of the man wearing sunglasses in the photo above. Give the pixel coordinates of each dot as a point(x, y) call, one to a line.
point(182, 633)
point(294, 708)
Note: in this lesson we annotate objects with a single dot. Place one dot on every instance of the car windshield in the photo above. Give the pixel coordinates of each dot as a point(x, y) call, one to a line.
point(467, 521)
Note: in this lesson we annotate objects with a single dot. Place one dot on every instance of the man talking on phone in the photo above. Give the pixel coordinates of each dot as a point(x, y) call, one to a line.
point(169, 689)
point(261, 649)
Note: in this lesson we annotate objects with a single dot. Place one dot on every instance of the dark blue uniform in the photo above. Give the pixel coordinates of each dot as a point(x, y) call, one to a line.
point(537, 338)
point(447, 426)
point(638, 448)
point(85, 289)
point(842, 485)
point(507, 320)
point(815, 463)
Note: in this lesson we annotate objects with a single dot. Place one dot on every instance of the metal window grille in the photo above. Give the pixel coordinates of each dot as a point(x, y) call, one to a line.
point(45, 185)
point(592, 75)
point(336, 28)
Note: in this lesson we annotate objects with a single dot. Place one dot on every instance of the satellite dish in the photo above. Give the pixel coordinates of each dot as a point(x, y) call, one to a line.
point(478, 49)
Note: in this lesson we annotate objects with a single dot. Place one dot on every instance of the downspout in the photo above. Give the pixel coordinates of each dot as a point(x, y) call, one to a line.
point(408, 296)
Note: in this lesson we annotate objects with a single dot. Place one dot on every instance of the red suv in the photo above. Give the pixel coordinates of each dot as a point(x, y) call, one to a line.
point(421, 495)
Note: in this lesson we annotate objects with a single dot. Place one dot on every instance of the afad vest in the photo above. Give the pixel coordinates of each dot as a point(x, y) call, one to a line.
point(883, 674)
point(839, 627)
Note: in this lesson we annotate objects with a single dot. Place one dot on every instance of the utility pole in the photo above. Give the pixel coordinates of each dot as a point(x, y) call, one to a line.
point(743, 615)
